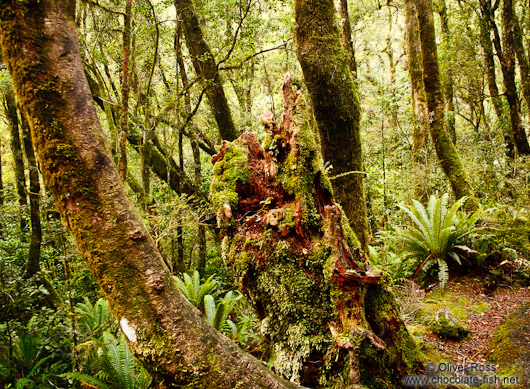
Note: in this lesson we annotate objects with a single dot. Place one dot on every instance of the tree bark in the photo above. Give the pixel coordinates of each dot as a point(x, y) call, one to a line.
point(507, 60)
point(165, 332)
point(336, 106)
point(347, 36)
point(206, 67)
point(328, 313)
point(445, 149)
point(420, 131)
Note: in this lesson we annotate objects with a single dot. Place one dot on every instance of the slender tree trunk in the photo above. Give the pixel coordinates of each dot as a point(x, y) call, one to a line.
point(420, 132)
point(201, 230)
point(522, 57)
point(125, 89)
point(445, 149)
point(335, 105)
point(10, 107)
point(507, 60)
point(166, 333)
point(206, 67)
point(448, 84)
point(485, 26)
point(1, 181)
point(347, 36)
point(33, 268)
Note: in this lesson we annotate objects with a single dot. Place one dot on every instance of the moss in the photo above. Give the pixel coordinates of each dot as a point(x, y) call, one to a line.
point(510, 347)
point(228, 173)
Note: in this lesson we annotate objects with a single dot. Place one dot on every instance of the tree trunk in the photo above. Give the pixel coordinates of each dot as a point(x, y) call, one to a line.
point(33, 268)
point(448, 84)
point(124, 109)
point(336, 106)
point(10, 107)
point(420, 132)
point(328, 313)
point(507, 60)
point(205, 66)
point(522, 58)
point(486, 16)
point(347, 36)
point(1, 182)
point(445, 149)
point(165, 332)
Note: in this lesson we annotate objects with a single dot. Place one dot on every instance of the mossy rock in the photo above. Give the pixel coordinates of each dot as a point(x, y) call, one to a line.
point(448, 326)
point(510, 346)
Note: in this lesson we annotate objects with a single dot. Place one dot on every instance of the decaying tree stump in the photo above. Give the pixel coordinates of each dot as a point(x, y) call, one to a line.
point(327, 311)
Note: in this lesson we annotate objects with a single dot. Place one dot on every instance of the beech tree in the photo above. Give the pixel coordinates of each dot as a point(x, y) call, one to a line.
point(164, 330)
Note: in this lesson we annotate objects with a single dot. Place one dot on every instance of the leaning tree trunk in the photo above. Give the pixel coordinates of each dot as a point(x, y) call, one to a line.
point(445, 149)
point(420, 131)
point(327, 311)
point(167, 334)
point(336, 106)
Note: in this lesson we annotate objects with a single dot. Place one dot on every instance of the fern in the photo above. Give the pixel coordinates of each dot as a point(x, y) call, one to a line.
point(93, 319)
point(436, 234)
point(85, 379)
point(194, 290)
point(217, 314)
point(121, 360)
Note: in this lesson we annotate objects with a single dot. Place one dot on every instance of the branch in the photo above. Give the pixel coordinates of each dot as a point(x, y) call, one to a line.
point(234, 40)
point(282, 46)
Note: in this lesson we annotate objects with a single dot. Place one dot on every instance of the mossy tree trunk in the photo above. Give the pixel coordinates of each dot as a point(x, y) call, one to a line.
point(33, 267)
point(327, 311)
point(522, 57)
point(420, 131)
point(10, 108)
point(206, 67)
point(448, 85)
point(335, 104)
point(485, 25)
point(168, 335)
point(506, 54)
point(125, 89)
point(445, 149)
point(347, 36)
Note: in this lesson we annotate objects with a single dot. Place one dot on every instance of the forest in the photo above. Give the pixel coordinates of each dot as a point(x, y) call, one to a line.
point(264, 194)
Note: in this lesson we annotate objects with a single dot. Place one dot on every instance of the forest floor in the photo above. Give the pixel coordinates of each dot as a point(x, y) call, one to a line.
point(498, 322)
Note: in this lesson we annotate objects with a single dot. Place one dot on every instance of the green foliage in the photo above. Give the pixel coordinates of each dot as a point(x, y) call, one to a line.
point(195, 290)
point(436, 236)
point(93, 318)
point(217, 314)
